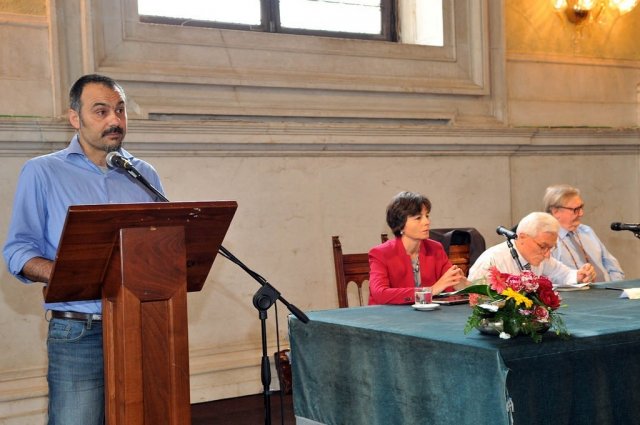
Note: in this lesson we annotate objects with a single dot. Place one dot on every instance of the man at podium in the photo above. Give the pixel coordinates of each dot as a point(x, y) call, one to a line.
point(47, 186)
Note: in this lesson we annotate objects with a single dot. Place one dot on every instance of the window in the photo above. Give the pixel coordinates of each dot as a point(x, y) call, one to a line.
point(420, 20)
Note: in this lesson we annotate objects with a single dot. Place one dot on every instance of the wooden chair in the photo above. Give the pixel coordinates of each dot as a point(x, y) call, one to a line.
point(459, 256)
point(351, 268)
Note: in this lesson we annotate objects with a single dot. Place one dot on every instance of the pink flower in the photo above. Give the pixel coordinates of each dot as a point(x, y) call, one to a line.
point(473, 299)
point(541, 314)
point(497, 280)
point(529, 281)
point(515, 282)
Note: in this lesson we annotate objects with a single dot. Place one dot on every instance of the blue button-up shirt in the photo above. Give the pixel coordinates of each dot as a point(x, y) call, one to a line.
point(47, 186)
point(566, 253)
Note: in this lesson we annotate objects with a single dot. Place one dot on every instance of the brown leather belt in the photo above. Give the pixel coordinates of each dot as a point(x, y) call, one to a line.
point(72, 315)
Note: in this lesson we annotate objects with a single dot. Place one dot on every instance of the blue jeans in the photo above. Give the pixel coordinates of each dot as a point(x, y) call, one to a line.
point(76, 373)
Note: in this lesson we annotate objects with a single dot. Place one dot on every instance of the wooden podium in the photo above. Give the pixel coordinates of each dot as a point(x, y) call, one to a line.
point(141, 259)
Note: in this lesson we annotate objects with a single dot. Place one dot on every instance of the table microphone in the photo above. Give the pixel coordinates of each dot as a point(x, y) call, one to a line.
point(634, 227)
point(506, 233)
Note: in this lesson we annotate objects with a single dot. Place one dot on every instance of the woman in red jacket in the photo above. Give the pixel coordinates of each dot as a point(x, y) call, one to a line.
point(411, 259)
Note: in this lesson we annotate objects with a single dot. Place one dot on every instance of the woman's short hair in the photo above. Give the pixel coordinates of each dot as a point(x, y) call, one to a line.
point(403, 205)
point(555, 196)
point(538, 222)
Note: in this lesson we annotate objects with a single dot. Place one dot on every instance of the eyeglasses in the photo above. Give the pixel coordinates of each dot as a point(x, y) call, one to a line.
point(544, 248)
point(575, 210)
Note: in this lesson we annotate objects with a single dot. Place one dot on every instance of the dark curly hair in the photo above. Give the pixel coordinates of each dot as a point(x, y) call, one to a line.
point(402, 206)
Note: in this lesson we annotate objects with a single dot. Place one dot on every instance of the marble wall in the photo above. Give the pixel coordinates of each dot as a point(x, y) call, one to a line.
point(483, 153)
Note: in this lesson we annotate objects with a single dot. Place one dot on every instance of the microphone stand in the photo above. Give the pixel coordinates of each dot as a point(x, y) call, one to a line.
point(514, 254)
point(139, 177)
point(263, 299)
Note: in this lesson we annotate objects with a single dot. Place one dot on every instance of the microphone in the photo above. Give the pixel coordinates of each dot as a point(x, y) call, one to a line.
point(634, 227)
point(506, 233)
point(115, 160)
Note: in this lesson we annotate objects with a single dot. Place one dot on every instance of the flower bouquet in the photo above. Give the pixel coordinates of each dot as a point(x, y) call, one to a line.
point(508, 305)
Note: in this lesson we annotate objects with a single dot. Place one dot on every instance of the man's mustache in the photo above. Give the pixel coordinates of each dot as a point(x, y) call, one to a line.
point(111, 130)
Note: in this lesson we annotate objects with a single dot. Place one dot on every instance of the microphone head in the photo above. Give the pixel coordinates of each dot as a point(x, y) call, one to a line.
point(616, 226)
point(114, 159)
point(506, 232)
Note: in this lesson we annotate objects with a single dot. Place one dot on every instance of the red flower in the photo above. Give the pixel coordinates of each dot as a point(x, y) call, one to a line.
point(543, 281)
point(547, 295)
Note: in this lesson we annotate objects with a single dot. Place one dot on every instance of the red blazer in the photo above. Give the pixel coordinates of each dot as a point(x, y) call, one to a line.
point(391, 274)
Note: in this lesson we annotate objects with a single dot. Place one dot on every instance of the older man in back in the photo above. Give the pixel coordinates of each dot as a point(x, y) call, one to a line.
point(577, 243)
point(537, 236)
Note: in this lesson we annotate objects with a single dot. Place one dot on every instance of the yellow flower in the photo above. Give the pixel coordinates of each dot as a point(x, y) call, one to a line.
point(517, 297)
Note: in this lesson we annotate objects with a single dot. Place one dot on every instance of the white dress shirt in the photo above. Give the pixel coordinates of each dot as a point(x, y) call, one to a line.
point(500, 257)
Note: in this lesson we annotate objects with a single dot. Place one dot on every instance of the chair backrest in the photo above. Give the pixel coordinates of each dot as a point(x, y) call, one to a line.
point(459, 256)
point(463, 245)
point(349, 268)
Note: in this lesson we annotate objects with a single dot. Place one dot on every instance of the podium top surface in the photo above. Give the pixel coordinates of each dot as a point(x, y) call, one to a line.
point(91, 235)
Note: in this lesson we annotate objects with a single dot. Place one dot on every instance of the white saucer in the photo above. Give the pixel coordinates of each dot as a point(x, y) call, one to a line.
point(426, 307)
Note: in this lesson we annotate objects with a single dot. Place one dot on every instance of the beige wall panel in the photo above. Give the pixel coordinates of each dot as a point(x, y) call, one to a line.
point(25, 68)
point(562, 94)
point(27, 7)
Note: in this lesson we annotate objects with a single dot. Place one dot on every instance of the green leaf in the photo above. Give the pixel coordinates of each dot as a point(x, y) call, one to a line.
point(478, 289)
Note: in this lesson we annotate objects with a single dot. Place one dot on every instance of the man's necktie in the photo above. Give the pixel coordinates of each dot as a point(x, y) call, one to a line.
point(582, 255)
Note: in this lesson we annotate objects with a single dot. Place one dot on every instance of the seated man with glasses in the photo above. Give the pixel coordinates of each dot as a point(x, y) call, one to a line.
point(577, 243)
point(537, 236)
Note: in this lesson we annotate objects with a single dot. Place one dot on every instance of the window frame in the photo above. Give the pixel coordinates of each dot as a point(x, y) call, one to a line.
point(270, 22)
point(205, 71)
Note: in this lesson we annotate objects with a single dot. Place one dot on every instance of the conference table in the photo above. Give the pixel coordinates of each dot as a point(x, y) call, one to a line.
point(395, 365)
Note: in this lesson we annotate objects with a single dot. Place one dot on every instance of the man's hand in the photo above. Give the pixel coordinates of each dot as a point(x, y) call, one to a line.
point(586, 274)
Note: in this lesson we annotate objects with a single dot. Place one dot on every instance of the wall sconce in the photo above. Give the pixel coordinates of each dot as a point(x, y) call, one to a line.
point(581, 11)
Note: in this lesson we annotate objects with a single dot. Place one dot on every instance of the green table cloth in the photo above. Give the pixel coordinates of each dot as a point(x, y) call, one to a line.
point(396, 365)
